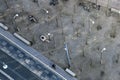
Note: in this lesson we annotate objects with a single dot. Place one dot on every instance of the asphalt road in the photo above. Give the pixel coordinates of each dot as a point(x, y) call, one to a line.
point(25, 73)
point(15, 70)
point(3, 77)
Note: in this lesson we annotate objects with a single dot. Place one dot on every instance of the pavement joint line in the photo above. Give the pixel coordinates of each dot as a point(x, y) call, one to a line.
point(1, 71)
point(33, 56)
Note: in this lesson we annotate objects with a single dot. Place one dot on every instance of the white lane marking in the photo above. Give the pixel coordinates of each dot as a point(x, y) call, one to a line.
point(6, 75)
